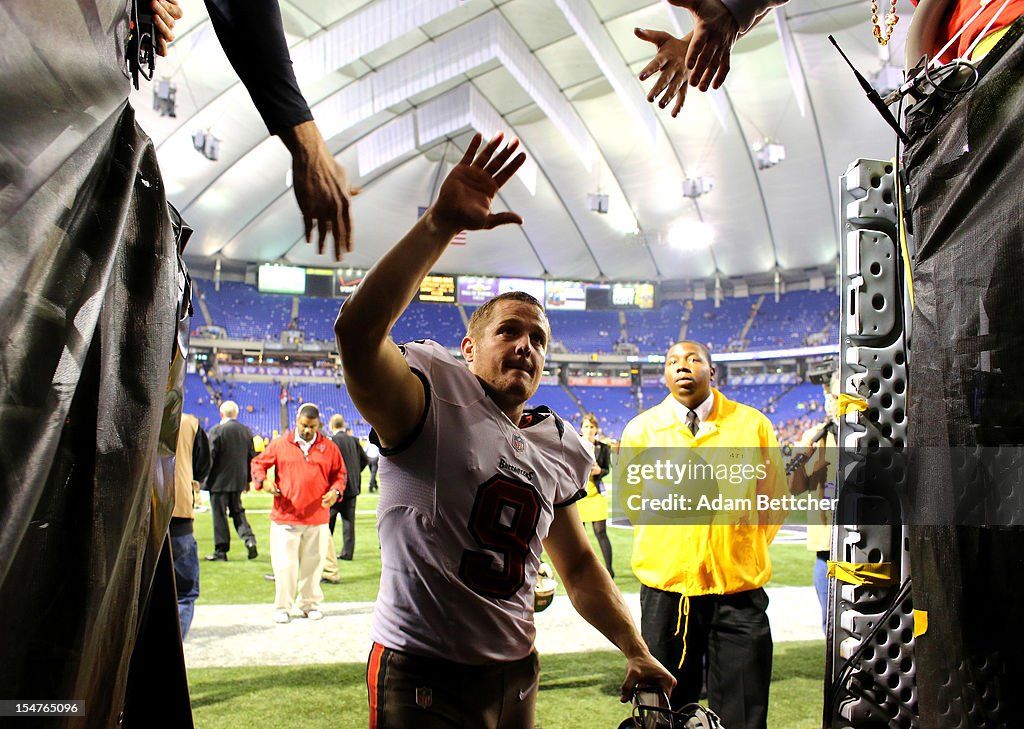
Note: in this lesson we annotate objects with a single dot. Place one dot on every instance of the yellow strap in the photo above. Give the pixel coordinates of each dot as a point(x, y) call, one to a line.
point(684, 609)
point(920, 623)
point(851, 402)
point(987, 44)
point(908, 274)
point(870, 573)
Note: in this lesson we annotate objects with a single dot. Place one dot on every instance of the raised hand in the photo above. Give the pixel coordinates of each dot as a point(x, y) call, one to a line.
point(670, 63)
point(464, 201)
point(715, 31)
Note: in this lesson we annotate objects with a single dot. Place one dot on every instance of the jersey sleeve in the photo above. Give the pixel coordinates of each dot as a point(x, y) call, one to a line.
point(252, 36)
point(420, 356)
point(576, 462)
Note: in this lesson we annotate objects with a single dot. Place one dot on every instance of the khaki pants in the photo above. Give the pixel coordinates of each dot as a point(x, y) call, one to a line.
point(295, 553)
point(330, 566)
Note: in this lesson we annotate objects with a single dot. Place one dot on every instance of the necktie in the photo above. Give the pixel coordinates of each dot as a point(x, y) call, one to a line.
point(692, 421)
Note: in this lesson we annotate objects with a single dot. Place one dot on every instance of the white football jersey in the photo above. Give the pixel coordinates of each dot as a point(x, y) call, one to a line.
point(464, 506)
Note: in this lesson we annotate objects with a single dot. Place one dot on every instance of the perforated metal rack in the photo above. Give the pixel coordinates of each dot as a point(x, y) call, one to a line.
point(870, 677)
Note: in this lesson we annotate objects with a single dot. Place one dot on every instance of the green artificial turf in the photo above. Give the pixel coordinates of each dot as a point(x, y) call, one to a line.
point(577, 690)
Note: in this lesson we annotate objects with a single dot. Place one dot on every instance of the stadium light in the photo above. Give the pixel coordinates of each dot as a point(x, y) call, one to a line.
point(206, 144)
point(598, 203)
point(164, 98)
point(691, 235)
point(694, 187)
point(768, 154)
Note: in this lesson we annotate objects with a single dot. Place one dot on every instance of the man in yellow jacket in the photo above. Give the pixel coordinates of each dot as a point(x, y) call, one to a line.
point(701, 592)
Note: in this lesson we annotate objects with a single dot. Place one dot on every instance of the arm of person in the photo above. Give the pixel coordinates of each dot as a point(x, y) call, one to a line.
point(201, 459)
point(259, 465)
point(364, 460)
point(701, 57)
point(383, 387)
point(597, 599)
point(603, 459)
point(252, 36)
point(336, 482)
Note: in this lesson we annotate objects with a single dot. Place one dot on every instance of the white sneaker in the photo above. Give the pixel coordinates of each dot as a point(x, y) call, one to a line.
point(282, 616)
point(314, 614)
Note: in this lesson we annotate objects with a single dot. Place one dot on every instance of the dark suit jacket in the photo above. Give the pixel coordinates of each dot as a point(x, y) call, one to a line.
point(231, 449)
point(355, 461)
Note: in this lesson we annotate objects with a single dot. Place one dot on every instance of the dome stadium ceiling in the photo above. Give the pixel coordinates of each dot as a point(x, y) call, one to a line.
point(399, 86)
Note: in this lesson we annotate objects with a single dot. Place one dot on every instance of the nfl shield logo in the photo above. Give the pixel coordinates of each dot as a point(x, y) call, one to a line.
point(424, 698)
point(518, 443)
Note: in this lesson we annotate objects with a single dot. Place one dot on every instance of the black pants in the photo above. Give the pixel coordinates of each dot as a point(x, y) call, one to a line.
point(732, 633)
point(346, 508)
point(374, 463)
point(431, 693)
point(221, 502)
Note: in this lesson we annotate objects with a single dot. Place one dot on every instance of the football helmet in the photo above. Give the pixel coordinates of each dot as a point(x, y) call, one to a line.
point(544, 590)
point(651, 710)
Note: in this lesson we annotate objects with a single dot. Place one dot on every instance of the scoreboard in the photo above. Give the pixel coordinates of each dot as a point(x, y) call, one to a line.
point(556, 295)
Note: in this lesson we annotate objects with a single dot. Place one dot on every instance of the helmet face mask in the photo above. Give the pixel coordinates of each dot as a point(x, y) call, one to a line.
point(652, 710)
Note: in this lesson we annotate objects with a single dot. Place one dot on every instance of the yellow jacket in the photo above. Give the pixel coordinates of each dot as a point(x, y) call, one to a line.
point(706, 559)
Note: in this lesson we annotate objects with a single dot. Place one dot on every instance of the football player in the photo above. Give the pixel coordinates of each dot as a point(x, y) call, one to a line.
point(473, 486)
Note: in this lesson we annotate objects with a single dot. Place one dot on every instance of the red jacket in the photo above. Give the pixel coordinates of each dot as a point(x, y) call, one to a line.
point(302, 481)
point(959, 12)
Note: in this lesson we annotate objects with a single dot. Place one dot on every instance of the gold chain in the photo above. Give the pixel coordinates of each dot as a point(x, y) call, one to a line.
point(890, 22)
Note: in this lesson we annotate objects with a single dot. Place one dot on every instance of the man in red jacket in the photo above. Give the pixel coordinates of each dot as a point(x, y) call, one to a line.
point(310, 479)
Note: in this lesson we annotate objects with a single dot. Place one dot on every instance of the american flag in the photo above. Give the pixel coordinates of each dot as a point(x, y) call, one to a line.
point(460, 237)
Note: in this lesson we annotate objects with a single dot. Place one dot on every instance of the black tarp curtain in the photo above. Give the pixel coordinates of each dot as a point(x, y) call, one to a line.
point(965, 168)
point(90, 378)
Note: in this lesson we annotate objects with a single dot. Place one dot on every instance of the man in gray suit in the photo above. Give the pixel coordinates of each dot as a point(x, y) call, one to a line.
point(231, 450)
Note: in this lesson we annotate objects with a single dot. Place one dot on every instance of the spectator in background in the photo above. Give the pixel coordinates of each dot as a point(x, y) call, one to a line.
point(355, 460)
point(593, 507)
point(702, 585)
point(817, 453)
point(231, 451)
point(310, 479)
point(252, 35)
point(373, 457)
point(191, 464)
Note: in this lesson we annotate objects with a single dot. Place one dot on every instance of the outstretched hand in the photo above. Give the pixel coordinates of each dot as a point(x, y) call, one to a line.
point(700, 58)
point(670, 63)
point(322, 189)
point(715, 30)
point(464, 201)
